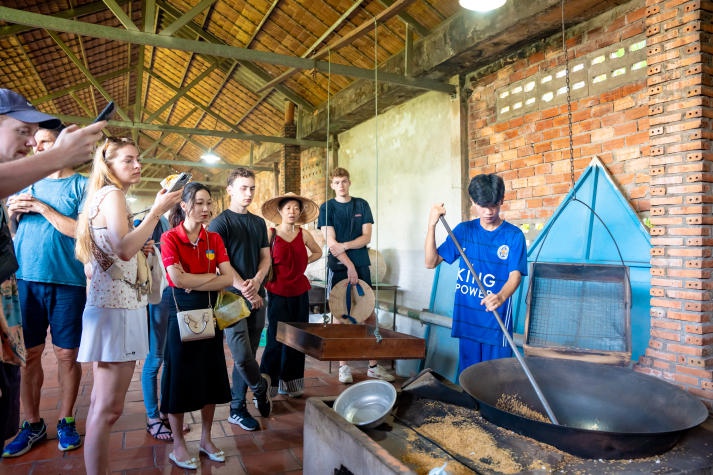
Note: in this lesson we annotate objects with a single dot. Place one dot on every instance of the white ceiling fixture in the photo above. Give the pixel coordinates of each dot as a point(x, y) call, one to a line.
point(210, 157)
point(481, 5)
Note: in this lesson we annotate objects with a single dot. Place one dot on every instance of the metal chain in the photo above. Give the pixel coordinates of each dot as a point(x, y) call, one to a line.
point(326, 318)
point(569, 102)
point(377, 333)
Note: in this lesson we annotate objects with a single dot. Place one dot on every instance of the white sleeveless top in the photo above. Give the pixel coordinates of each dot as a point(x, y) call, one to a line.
point(105, 291)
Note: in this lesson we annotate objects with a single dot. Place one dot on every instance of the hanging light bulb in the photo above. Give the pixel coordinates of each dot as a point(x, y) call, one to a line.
point(210, 157)
point(481, 5)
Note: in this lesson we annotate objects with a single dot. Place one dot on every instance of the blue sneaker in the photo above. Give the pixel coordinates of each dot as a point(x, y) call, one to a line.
point(241, 417)
point(67, 434)
point(23, 442)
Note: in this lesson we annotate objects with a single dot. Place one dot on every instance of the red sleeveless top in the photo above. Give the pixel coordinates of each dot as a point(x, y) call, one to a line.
point(289, 262)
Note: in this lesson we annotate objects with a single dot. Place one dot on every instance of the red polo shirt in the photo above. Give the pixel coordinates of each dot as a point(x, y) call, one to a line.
point(201, 257)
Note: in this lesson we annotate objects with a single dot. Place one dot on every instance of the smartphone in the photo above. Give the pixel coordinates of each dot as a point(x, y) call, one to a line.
point(181, 181)
point(106, 113)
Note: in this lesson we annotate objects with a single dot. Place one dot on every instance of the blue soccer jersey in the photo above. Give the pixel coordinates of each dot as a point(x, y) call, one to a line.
point(493, 254)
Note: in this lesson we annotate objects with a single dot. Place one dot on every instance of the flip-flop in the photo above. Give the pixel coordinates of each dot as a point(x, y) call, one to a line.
point(190, 464)
point(160, 433)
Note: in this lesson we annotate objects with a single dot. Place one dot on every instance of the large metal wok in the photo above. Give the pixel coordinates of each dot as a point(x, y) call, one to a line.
point(606, 412)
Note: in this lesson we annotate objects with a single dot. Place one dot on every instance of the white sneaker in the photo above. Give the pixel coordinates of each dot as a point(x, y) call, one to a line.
point(379, 372)
point(345, 374)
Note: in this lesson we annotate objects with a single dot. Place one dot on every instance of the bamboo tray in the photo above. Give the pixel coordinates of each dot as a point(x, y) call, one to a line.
point(335, 342)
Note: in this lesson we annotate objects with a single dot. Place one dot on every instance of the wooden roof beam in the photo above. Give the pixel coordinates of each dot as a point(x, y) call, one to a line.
point(157, 142)
point(218, 90)
point(249, 66)
point(80, 11)
point(205, 132)
point(221, 50)
point(190, 163)
point(408, 19)
point(357, 32)
point(265, 17)
point(120, 15)
point(80, 65)
point(186, 18)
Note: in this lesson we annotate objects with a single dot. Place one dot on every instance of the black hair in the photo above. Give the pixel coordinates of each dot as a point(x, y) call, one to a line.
point(281, 204)
point(487, 190)
point(188, 196)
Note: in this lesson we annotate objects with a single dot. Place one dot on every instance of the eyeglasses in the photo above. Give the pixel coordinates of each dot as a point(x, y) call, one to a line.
point(116, 140)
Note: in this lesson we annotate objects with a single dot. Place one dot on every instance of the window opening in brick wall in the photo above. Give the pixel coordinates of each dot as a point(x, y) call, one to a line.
point(592, 74)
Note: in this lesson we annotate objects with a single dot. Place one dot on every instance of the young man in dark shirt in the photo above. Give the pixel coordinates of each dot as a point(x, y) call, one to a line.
point(346, 222)
point(245, 238)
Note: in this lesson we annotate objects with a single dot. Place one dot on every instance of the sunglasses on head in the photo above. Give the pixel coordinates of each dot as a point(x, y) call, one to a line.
point(115, 140)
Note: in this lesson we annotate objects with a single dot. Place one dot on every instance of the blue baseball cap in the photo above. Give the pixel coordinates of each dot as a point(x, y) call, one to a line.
point(14, 105)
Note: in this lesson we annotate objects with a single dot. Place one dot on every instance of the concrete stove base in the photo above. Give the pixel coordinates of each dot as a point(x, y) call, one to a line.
point(403, 445)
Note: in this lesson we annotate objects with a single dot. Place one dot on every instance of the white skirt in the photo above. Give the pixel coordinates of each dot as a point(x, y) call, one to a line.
point(113, 335)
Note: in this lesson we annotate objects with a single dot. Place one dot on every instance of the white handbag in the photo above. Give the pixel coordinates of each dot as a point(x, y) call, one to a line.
point(158, 276)
point(198, 324)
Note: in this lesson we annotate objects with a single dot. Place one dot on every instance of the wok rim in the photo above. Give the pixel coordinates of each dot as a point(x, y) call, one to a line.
point(696, 418)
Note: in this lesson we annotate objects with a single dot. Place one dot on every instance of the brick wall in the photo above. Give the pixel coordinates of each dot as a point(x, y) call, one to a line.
point(679, 89)
point(531, 151)
point(314, 174)
point(653, 133)
point(289, 180)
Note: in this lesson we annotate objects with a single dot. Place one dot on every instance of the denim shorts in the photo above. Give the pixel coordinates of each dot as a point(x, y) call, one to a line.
point(56, 306)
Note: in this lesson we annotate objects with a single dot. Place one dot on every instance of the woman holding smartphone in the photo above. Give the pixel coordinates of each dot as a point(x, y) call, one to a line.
point(114, 326)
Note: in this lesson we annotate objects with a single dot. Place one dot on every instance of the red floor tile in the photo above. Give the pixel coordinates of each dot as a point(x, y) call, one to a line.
point(275, 449)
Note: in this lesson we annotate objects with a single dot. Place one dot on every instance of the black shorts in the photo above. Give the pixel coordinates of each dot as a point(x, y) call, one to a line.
point(339, 275)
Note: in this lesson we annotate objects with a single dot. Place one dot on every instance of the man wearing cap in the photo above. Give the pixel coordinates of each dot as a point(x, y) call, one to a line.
point(245, 237)
point(346, 222)
point(51, 284)
point(19, 121)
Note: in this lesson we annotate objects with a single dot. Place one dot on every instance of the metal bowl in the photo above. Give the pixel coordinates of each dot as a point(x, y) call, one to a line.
point(367, 403)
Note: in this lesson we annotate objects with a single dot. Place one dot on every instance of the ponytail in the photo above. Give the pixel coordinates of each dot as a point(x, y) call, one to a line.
point(177, 214)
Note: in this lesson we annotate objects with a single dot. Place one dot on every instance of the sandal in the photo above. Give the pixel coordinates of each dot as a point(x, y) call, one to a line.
point(159, 430)
point(186, 428)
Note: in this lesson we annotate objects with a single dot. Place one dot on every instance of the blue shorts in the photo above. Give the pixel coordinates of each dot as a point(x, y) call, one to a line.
point(57, 306)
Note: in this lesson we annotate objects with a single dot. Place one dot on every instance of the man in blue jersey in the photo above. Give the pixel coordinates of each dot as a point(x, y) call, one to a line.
point(51, 284)
point(498, 253)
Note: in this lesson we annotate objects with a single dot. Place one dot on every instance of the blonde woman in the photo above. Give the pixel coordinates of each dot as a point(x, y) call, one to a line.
point(114, 326)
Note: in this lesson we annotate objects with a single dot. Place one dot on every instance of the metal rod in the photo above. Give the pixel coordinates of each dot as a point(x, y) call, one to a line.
point(504, 329)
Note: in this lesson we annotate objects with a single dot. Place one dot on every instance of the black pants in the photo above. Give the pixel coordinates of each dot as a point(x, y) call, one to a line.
point(9, 401)
point(280, 361)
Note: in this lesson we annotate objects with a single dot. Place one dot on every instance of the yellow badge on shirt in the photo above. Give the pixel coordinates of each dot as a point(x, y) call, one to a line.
point(210, 254)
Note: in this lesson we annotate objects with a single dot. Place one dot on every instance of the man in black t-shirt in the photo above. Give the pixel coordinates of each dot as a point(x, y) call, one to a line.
point(346, 222)
point(245, 237)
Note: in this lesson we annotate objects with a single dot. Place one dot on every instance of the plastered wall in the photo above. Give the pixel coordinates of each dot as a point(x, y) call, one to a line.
point(402, 162)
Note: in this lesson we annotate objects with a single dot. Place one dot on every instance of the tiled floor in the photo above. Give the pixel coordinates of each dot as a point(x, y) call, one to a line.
point(275, 449)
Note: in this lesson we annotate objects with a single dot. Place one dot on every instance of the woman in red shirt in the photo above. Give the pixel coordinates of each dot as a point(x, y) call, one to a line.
point(287, 293)
point(195, 374)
